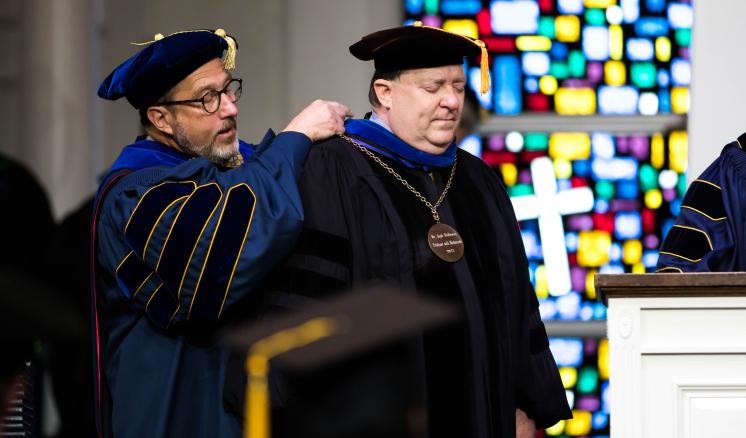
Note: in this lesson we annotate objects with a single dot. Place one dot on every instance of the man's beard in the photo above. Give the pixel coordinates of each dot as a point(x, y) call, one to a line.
point(212, 151)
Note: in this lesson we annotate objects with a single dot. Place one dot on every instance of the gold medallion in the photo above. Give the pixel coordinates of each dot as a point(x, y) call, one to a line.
point(445, 242)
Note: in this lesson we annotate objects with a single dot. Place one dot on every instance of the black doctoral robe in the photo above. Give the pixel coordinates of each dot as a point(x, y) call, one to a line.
point(361, 224)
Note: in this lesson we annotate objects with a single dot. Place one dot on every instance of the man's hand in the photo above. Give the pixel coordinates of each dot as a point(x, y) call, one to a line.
point(320, 120)
point(524, 426)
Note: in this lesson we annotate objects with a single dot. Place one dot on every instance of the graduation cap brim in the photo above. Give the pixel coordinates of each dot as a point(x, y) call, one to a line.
point(365, 319)
point(410, 47)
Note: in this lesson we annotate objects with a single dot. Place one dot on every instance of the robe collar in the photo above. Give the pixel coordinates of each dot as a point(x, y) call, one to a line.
point(145, 152)
point(391, 146)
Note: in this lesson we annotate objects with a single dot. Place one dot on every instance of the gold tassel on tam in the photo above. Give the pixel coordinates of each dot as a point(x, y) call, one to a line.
point(484, 68)
point(230, 56)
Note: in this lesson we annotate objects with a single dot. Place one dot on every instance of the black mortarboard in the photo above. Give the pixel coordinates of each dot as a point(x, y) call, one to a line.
point(164, 62)
point(419, 46)
point(327, 333)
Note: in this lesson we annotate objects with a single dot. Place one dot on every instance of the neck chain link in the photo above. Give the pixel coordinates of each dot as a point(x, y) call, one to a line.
point(433, 208)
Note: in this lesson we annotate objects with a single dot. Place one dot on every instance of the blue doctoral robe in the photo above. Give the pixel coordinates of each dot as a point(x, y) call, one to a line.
point(177, 242)
point(709, 233)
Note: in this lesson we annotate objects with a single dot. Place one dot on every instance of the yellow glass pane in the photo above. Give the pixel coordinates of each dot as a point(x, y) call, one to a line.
point(579, 424)
point(575, 101)
point(509, 173)
point(657, 151)
point(616, 42)
point(663, 49)
point(599, 3)
point(542, 286)
point(680, 100)
point(603, 359)
point(632, 252)
point(590, 284)
point(557, 429)
point(462, 27)
point(615, 73)
point(562, 168)
point(678, 145)
point(567, 28)
point(570, 145)
point(653, 199)
point(569, 377)
point(548, 85)
point(533, 43)
point(593, 248)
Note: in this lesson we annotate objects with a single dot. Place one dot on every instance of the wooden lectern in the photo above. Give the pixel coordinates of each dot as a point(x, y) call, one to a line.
point(677, 345)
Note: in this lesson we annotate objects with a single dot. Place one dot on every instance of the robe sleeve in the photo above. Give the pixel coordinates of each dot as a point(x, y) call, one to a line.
point(186, 242)
point(702, 239)
point(321, 261)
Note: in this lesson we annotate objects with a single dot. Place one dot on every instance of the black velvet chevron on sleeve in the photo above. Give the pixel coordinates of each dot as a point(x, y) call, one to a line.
point(686, 242)
point(705, 198)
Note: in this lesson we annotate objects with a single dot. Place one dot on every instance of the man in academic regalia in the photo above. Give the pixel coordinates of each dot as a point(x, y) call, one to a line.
point(709, 234)
point(186, 222)
point(395, 200)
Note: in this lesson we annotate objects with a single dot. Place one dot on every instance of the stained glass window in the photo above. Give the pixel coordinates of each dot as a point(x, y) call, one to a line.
point(587, 203)
point(575, 57)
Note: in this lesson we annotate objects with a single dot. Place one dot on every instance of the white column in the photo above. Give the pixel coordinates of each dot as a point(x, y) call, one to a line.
point(54, 102)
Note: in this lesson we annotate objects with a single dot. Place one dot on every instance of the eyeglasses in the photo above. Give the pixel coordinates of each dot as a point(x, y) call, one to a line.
point(211, 100)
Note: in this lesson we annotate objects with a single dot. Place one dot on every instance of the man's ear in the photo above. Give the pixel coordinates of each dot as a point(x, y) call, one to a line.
point(161, 118)
point(383, 89)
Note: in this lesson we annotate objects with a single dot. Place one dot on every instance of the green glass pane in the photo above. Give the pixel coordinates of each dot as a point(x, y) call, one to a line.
point(683, 37)
point(587, 380)
point(546, 27)
point(559, 70)
point(431, 7)
point(576, 64)
point(521, 190)
point(648, 177)
point(595, 17)
point(643, 74)
point(605, 189)
point(681, 186)
point(536, 141)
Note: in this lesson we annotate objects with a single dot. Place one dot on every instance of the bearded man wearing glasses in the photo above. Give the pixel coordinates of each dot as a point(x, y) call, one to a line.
point(187, 221)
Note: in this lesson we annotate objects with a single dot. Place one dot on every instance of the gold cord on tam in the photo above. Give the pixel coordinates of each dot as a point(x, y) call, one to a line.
point(256, 414)
point(484, 70)
point(230, 56)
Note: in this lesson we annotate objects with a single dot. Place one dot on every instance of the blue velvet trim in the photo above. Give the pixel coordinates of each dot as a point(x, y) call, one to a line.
point(396, 148)
point(226, 247)
point(185, 234)
point(148, 153)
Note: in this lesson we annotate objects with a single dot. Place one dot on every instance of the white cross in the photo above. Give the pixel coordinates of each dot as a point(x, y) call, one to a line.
point(548, 205)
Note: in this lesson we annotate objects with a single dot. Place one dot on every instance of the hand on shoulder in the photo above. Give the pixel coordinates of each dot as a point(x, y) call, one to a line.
point(320, 120)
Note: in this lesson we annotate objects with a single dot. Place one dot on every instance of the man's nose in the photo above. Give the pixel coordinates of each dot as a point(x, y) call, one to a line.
point(451, 99)
point(228, 108)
